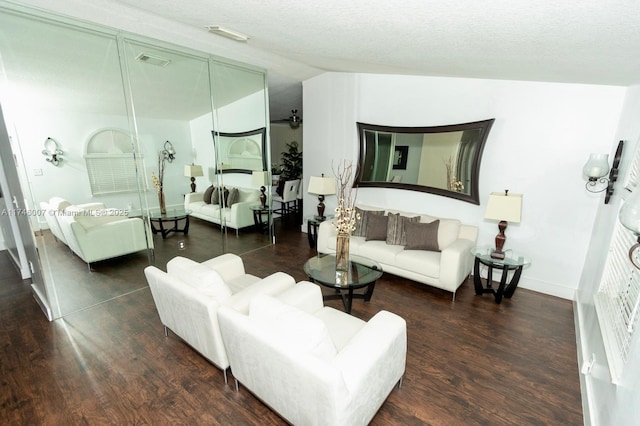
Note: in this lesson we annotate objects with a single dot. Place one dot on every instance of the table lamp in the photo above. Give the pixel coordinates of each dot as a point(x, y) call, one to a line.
point(503, 208)
point(260, 178)
point(192, 172)
point(321, 186)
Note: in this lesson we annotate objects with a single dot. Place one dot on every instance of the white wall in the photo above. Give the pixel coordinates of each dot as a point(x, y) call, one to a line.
point(541, 138)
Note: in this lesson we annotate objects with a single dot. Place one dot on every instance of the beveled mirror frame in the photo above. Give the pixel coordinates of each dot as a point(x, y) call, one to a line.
point(472, 196)
point(224, 142)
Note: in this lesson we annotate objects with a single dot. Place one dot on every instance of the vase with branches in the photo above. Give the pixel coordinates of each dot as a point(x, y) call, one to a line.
point(158, 182)
point(346, 216)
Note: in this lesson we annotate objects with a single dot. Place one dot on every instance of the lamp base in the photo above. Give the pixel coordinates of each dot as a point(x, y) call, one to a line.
point(497, 255)
point(500, 239)
point(193, 184)
point(263, 197)
point(320, 208)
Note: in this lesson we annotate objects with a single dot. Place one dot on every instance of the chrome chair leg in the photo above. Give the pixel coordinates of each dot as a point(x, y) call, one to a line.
point(166, 331)
point(237, 384)
point(400, 382)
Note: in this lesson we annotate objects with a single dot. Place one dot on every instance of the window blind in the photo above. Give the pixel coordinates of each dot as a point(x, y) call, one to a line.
point(618, 295)
point(112, 173)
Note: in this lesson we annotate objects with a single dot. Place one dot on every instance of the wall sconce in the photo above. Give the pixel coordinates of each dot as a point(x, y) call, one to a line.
point(321, 186)
point(504, 208)
point(629, 217)
point(597, 168)
point(168, 153)
point(52, 152)
point(193, 171)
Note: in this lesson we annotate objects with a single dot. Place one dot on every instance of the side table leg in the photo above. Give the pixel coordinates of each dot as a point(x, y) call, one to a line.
point(503, 280)
point(369, 293)
point(477, 281)
point(511, 288)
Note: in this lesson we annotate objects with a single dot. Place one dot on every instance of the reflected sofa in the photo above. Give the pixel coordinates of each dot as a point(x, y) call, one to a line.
point(312, 364)
point(235, 215)
point(441, 258)
point(189, 295)
point(94, 232)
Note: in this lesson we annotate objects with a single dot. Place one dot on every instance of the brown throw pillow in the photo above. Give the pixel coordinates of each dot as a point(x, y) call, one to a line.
point(215, 196)
point(396, 228)
point(224, 195)
point(361, 225)
point(422, 236)
point(233, 197)
point(377, 228)
point(207, 195)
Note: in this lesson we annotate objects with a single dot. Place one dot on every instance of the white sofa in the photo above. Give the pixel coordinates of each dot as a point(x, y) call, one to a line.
point(189, 295)
point(237, 216)
point(314, 365)
point(446, 269)
point(94, 232)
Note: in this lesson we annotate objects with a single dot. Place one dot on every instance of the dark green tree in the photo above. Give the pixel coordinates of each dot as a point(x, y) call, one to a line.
point(292, 162)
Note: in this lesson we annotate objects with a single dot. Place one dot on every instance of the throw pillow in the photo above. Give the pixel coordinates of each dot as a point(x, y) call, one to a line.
point(224, 196)
point(233, 197)
point(377, 228)
point(215, 196)
point(396, 227)
point(422, 236)
point(207, 195)
point(361, 225)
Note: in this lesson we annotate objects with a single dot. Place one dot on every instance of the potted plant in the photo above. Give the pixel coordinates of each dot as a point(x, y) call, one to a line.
point(291, 162)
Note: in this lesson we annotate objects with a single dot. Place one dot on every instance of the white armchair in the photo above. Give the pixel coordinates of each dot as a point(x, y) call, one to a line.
point(189, 295)
point(314, 365)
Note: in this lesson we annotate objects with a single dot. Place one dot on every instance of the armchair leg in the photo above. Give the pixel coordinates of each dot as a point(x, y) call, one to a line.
point(400, 382)
point(225, 376)
point(166, 331)
point(237, 384)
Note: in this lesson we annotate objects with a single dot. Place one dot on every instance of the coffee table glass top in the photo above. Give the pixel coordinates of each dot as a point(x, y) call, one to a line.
point(361, 271)
point(171, 214)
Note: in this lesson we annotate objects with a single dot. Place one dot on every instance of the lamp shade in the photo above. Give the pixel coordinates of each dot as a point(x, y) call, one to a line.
point(193, 171)
point(259, 178)
point(597, 166)
point(321, 185)
point(502, 206)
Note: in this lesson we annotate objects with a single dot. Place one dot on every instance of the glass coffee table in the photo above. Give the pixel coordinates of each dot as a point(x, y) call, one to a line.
point(362, 272)
point(171, 217)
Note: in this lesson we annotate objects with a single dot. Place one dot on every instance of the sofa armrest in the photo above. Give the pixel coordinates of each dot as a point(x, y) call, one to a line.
point(326, 230)
point(241, 213)
point(456, 263)
point(373, 362)
point(272, 285)
point(192, 197)
point(228, 265)
point(91, 206)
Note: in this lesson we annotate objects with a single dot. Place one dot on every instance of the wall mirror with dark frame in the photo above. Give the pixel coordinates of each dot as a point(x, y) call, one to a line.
point(242, 152)
point(442, 160)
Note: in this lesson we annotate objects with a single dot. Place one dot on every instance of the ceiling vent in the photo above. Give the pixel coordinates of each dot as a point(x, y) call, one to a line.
point(153, 60)
point(225, 32)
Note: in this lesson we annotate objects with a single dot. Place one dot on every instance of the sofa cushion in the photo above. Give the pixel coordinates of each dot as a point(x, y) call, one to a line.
point(202, 278)
point(90, 218)
point(422, 236)
point(377, 228)
point(293, 325)
point(396, 234)
point(206, 197)
point(361, 224)
point(233, 197)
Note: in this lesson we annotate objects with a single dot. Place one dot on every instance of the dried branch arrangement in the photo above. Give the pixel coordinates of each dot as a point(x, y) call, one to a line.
point(346, 216)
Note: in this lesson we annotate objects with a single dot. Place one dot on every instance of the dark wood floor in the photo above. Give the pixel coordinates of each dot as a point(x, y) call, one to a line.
point(469, 361)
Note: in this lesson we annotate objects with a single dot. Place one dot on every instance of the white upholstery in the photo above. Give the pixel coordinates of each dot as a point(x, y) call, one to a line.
point(95, 233)
point(187, 307)
point(446, 269)
point(338, 373)
point(289, 197)
point(238, 216)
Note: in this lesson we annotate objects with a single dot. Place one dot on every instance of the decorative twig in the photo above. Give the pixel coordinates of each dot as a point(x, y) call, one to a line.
point(346, 217)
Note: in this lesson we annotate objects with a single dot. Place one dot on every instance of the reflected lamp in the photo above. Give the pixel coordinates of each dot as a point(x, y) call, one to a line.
point(260, 178)
point(503, 208)
point(193, 171)
point(321, 186)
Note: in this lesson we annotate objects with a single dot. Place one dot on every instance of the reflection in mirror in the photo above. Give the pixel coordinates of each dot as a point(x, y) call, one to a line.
point(442, 160)
point(241, 152)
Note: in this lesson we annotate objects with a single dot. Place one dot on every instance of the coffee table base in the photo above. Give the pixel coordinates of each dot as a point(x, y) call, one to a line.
point(347, 296)
point(166, 231)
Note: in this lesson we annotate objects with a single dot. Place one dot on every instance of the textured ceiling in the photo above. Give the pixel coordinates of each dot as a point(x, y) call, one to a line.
point(577, 41)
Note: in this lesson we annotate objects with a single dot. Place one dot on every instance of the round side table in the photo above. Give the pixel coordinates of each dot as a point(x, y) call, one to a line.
point(512, 262)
